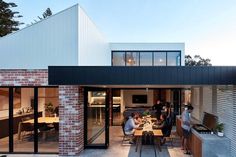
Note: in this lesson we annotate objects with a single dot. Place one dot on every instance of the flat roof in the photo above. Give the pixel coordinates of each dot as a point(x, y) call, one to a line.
point(142, 75)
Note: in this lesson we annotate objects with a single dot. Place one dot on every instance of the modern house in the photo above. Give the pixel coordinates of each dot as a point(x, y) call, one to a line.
point(62, 85)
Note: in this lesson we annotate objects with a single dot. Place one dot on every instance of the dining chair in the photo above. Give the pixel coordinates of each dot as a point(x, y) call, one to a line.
point(26, 129)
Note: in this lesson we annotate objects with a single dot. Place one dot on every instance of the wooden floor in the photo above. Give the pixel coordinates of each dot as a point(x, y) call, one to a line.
point(50, 144)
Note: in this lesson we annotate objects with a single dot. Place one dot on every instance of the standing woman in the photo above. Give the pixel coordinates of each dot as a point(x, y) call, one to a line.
point(168, 113)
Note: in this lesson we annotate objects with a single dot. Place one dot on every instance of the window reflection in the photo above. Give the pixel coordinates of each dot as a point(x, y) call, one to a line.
point(173, 58)
point(132, 58)
point(48, 123)
point(142, 58)
point(118, 59)
point(145, 58)
point(160, 59)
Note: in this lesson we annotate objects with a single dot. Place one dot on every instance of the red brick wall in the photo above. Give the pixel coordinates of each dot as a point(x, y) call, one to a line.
point(71, 141)
point(71, 111)
point(19, 77)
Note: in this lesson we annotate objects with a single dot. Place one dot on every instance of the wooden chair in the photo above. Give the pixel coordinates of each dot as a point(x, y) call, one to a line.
point(26, 129)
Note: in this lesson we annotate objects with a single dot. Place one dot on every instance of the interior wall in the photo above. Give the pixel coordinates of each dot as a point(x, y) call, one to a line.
point(195, 101)
point(26, 96)
point(127, 97)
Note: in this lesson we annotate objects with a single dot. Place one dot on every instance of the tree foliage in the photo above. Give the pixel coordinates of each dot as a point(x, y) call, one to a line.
point(46, 14)
point(197, 60)
point(8, 22)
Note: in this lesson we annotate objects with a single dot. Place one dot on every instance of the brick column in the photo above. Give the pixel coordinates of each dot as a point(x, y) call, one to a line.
point(71, 141)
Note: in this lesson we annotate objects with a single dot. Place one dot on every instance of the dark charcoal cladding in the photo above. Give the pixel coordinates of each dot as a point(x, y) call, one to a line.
point(148, 75)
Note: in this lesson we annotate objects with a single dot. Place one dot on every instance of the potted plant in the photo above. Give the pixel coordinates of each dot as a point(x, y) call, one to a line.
point(220, 129)
point(49, 109)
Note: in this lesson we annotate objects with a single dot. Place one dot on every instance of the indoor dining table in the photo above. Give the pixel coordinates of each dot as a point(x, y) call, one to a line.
point(47, 120)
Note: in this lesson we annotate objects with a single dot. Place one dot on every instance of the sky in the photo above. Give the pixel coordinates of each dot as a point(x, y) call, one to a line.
point(207, 27)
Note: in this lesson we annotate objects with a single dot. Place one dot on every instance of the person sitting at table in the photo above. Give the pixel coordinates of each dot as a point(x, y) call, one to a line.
point(130, 125)
point(163, 125)
point(137, 119)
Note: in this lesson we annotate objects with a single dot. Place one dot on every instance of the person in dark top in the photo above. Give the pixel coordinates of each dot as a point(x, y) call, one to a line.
point(158, 107)
point(163, 124)
point(168, 113)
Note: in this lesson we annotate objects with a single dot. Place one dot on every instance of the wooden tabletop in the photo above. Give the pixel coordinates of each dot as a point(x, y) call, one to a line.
point(138, 133)
point(157, 132)
point(48, 120)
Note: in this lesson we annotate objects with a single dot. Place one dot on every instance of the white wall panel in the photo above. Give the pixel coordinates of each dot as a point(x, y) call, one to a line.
point(93, 47)
point(52, 41)
point(127, 97)
point(226, 113)
point(150, 47)
point(207, 100)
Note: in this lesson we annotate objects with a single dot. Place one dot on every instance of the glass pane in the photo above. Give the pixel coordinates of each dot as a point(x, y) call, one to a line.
point(48, 121)
point(159, 58)
point(173, 58)
point(117, 107)
point(96, 117)
point(132, 59)
point(118, 59)
point(4, 119)
point(145, 58)
point(23, 120)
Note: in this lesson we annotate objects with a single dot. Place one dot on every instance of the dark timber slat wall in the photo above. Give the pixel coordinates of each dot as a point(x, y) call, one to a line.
point(116, 75)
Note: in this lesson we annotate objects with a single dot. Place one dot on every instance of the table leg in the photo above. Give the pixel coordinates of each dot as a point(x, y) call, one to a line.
point(19, 131)
point(137, 143)
point(154, 145)
point(159, 143)
point(140, 151)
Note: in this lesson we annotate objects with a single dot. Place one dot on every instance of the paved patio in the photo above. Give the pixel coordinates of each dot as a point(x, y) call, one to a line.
point(117, 150)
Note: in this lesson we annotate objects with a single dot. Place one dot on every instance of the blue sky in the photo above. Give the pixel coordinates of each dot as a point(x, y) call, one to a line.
point(208, 27)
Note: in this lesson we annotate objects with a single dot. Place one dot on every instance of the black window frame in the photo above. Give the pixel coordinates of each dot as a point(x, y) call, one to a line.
point(11, 120)
point(143, 51)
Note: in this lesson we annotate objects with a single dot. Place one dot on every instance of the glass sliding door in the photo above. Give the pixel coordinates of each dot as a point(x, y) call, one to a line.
point(4, 119)
point(29, 121)
point(48, 119)
point(96, 118)
point(23, 120)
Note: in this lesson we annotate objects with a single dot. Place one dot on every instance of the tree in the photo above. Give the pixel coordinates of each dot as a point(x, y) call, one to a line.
point(46, 14)
point(8, 24)
point(197, 60)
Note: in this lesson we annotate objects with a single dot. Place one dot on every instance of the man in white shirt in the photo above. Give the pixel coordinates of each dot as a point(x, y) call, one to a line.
point(186, 129)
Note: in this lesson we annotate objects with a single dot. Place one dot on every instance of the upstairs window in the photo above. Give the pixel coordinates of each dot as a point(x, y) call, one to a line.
point(146, 58)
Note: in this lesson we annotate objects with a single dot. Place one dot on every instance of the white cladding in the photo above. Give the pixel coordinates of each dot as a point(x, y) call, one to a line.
point(93, 48)
point(68, 38)
point(52, 41)
point(150, 47)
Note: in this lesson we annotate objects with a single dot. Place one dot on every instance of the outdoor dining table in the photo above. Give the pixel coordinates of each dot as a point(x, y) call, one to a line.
point(157, 134)
point(47, 120)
